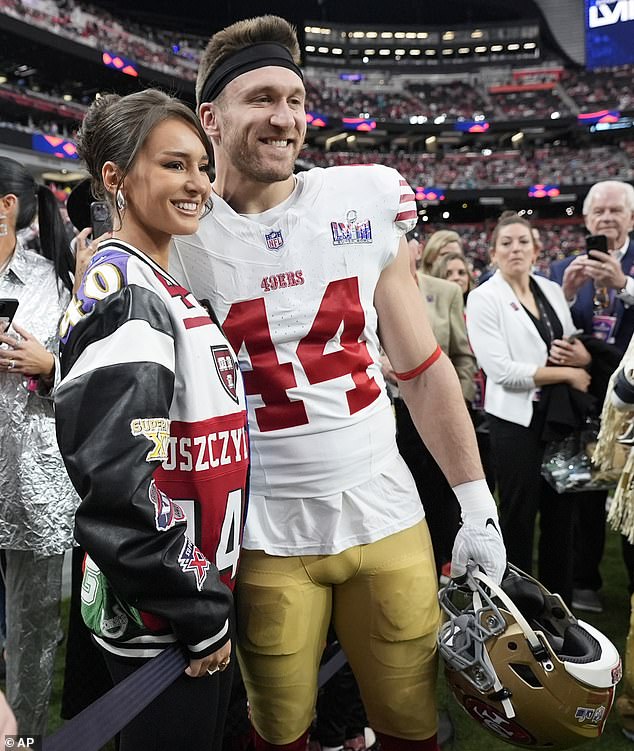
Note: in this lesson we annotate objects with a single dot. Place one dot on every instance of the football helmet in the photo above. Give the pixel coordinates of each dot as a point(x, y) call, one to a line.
point(522, 665)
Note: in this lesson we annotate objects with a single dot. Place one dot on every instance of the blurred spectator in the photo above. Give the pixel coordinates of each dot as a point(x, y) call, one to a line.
point(440, 243)
point(37, 501)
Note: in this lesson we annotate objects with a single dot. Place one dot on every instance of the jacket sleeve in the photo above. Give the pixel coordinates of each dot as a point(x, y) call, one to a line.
point(487, 337)
point(112, 411)
point(460, 352)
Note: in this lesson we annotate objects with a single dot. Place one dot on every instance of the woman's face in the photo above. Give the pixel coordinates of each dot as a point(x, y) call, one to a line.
point(168, 184)
point(514, 251)
point(457, 272)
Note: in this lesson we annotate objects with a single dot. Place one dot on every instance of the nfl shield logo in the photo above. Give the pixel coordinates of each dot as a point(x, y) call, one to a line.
point(227, 369)
point(274, 239)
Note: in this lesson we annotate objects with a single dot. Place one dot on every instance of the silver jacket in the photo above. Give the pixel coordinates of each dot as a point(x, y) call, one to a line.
point(37, 500)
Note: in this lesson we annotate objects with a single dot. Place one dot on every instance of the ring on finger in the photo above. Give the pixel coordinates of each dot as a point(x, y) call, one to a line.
point(11, 364)
point(213, 670)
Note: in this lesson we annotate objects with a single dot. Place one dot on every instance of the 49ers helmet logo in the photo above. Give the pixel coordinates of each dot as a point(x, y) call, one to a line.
point(227, 369)
point(497, 723)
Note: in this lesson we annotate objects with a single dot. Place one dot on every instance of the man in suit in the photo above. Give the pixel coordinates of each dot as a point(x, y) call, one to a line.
point(598, 282)
point(600, 290)
point(445, 309)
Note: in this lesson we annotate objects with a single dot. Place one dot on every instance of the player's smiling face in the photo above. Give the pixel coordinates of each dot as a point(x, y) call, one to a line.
point(262, 123)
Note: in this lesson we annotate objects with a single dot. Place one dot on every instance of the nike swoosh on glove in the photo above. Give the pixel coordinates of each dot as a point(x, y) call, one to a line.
point(480, 541)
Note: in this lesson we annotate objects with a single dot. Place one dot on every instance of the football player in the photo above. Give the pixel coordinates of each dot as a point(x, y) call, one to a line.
point(309, 275)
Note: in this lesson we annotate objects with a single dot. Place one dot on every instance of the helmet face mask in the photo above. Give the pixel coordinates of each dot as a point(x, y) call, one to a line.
point(522, 665)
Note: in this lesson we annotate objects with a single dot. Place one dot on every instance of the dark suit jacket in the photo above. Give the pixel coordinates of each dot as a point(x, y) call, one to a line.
point(582, 310)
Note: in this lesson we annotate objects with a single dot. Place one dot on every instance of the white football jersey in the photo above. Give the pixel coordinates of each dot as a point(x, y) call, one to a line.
point(294, 290)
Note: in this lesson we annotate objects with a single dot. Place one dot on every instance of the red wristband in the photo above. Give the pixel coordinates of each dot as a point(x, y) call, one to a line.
point(409, 374)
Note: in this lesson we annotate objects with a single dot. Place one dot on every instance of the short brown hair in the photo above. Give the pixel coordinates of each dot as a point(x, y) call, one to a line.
point(243, 34)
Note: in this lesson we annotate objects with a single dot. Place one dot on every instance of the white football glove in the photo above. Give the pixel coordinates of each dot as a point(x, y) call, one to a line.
point(479, 538)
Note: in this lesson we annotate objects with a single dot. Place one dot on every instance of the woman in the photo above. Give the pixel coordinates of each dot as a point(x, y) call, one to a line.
point(37, 502)
point(520, 327)
point(152, 425)
point(454, 267)
point(439, 244)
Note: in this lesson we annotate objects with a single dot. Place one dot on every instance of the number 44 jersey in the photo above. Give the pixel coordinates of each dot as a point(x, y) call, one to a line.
point(294, 289)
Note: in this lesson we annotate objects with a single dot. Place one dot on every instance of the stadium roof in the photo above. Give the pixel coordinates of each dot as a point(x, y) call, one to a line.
point(207, 17)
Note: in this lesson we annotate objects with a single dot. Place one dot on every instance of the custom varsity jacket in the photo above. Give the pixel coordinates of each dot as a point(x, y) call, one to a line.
point(151, 424)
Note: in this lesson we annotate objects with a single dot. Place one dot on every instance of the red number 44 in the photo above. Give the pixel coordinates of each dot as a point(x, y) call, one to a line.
point(340, 309)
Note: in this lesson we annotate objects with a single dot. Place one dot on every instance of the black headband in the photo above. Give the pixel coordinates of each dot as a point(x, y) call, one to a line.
point(258, 55)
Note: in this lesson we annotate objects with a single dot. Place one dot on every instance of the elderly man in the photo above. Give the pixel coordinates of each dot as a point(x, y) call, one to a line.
point(600, 289)
point(600, 286)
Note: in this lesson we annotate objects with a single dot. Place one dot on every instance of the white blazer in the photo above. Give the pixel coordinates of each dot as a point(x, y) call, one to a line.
point(508, 346)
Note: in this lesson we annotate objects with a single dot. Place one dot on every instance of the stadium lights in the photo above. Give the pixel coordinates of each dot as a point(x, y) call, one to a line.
point(463, 50)
point(480, 50)
point(399, 52)
point(497, 47)
point(477, 34)
point(323, 50)
point(309, 48)
point(430, 52)
point(447, 51)
point(529, 45)
point(448, 36)
point(414, 52)
point(67, 98)
point(421, 35)
point(555, 115)
point(384, 52)
point(371, 34)
point(512, 47)
point(517, 137)
point(387, 35)
point(369, 52)
point(3, 79)
point(430, 140)
point(410, 35)
point(445, 215)
point(337, 51)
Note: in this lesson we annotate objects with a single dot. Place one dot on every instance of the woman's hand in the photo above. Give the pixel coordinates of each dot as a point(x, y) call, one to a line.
point(578, 378)
point(26, 356)
point(216, 661)
point(569, 353)
point(84, 251)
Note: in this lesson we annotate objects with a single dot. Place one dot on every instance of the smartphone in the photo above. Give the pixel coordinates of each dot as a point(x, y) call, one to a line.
point(100, 219)
point(597, 242)
point(8, 308)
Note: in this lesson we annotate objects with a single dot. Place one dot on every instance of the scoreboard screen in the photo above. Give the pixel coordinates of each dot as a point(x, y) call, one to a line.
point(609, 32)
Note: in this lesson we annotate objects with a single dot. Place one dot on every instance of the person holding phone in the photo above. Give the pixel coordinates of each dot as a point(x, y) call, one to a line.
point(37, 501)
point(599, 287)
point(151, 422)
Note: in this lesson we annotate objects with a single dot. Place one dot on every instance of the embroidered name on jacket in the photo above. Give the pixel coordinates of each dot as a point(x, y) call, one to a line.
point(351, 231)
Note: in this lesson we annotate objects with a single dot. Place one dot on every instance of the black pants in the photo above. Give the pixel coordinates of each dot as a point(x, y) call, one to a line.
point(589, 544)
point(442, 511)
point(518, 454)
point(189, 714)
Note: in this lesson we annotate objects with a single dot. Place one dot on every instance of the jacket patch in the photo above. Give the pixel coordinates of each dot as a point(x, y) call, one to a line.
point(166, 512)
point(227, 369)
point(191, 560)
point(156, 430)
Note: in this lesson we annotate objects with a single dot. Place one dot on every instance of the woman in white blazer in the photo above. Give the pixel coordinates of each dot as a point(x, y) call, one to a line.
point(520, 326)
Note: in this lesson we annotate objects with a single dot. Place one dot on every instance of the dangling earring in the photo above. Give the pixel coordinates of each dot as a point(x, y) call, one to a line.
point(4, 227)
point(120, 200)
